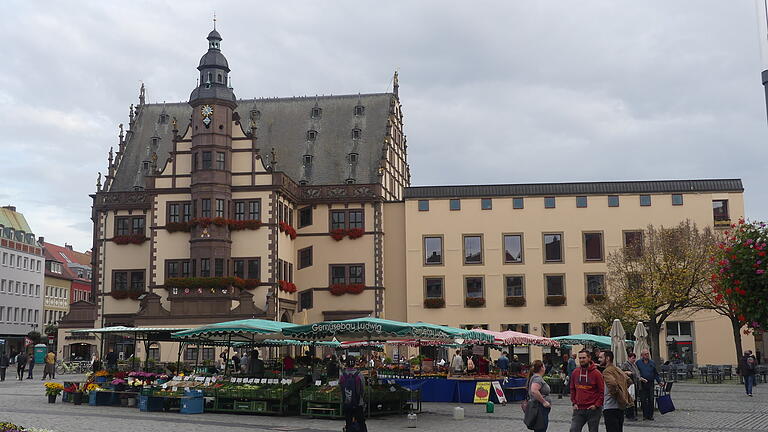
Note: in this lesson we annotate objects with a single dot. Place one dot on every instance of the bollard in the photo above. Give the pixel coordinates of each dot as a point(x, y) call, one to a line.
point(458, 413)
point(412, 420)
point(489, 407)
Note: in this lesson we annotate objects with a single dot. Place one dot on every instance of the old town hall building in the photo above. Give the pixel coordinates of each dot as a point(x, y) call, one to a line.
point(300, 209)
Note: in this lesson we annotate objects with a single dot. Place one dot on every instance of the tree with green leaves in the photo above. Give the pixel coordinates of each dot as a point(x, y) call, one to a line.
point(662, 274)
point(740, 278)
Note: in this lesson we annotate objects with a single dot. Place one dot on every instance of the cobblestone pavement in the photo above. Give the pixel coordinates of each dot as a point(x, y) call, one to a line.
point(717, 407)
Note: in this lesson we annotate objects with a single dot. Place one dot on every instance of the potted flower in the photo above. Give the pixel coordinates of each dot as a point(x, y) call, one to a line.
point(53, 389)
point(100, 376)
point(119, 384)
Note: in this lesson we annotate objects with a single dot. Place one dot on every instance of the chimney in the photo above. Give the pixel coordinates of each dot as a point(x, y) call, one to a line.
point(41, 240)
point(68, 246)
point(10, 207)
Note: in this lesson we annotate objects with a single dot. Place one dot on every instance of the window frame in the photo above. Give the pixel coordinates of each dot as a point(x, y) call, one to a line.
point(682, 199)
point(584, 235)
point(614, 201)
point(465, 278)
point(302, 211)
point(506, 286)
point(504, 248)
point(650, 200)
point(586, 283)
point(130, 225)
point(727, 216)
point(484, 201)
point(546, 287)
point(422, 208)
point(547, 202)
point(221, 208)
point(206, 163)
point(206, 211)
point(129, 280)
point(299, 258)
point(514, 203)
point(585, 203)
point(625, 245)
point(346, 272)
point(221, 161)
point(306, 294)
point(442, 286)
point(424, 238)
point(453, 201)
point(544, 247)
point(464, 249)
point(347, 218)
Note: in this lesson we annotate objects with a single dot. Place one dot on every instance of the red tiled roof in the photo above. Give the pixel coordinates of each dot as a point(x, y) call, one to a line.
point(65, 256)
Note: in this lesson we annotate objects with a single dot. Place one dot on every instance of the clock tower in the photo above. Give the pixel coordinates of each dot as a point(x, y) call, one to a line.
point(213, 103)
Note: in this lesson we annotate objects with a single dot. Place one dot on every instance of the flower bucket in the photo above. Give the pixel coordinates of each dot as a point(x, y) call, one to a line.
point(52, 398)
point(100, 379)
point(77, 398)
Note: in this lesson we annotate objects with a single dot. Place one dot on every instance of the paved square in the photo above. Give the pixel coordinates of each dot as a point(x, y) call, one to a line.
point(717, 407)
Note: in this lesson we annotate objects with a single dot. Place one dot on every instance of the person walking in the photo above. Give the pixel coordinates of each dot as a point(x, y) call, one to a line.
point(4, 363)
point(352, 391)
point(747, 371)
point(31, 365)
point(648, 375)
point(538, 391)
point(49, 370)
point(21, 364)
point(587, 394)
point(630, 369)
point(616, 398)
point(457, 364)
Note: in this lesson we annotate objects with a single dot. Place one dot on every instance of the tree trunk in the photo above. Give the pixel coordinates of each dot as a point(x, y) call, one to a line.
point(653, 339)
point(736, 326)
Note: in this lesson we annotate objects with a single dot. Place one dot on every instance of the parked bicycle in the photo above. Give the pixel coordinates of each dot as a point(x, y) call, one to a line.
point(72, 367)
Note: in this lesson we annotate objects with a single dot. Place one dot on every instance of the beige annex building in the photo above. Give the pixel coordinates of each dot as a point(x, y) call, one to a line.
point(307, 202)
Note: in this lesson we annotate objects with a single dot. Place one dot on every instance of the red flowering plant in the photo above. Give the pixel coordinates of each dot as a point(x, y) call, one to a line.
point(355, 233)
point(129, 239)
point(740, 281)
point(286, 286)
point(338, 289)
point(285, 227)
point(355, 288)
point(338, 234)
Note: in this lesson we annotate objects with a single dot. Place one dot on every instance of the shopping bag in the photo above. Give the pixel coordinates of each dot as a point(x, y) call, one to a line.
point(665, 404)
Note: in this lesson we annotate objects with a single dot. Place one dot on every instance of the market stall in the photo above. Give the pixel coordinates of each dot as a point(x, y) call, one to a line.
point(588, 340)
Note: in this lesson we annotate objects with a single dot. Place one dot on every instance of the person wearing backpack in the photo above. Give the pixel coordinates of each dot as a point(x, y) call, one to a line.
point(353, 403)
point(747, 371)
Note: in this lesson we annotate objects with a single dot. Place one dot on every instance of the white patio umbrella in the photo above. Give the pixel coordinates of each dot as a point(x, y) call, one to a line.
point(641, 339)
point(618, 346)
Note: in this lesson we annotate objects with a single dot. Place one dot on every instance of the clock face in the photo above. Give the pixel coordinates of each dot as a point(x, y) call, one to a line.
point(206, 110)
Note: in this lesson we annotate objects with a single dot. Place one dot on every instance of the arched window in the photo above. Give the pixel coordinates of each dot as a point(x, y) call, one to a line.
point(353, 157)
point(350, 181)
point(210, 77)
point(311, 135)
point(307, 160)
point(255, 115)
point(359, 110)
point(356, 133)
point(218, 78)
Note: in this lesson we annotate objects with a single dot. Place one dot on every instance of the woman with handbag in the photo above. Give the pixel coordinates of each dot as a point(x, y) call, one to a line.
point(537, 405)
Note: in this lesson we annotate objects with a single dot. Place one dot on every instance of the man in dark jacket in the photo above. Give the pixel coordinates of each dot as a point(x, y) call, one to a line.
point(352, 396)
point(587, 394)
point(255, 365)
point(747, 371)
point(4, 363)
point(111, 360)
point(648, 375)
point(21, 364)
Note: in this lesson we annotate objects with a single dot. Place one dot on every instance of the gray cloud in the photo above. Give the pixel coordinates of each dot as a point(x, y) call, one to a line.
point(501, 91)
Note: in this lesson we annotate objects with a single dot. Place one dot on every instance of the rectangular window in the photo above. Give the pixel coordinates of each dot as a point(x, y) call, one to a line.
point(172, 269)
point(207, 162)
point(280, 269)
point(423, 205)
point(549, 202)
point(645, 200)
point(677, 199)
point(593, 246)
point(254, 269)
point(455, 204)
point(305, 217)
point(555, 285)
point(220, 208)
point(280, 212)
point(238, 267)
point(205, 267)
point(205, 210)
point(473, 249)
point(581, 202)
point(208, 353)
point(433, 250)
point(595, 284)
point(305, 257)
point(355, 219)
point(218, 267)
point(720, 210)
point(137, 225)
point(513, 248)
point(220, 161)
point(613, 200)
point(186, 270)
point(186, 215)
point(474, 287)
point(190, 354)
point(517, 203)
point(194, 162)
point(305, 300)
point(486, 204)
point(338, 219)
point(239, 210)
point(338, 275)
point(356, 274)
point(120, 281)
point(633, 243)
point(254, 210)
point(553, 248)
point(347, 274)
point(122, 226)
point(173, 213)
point(515, 286)
point(137, 281)
point(433, 288)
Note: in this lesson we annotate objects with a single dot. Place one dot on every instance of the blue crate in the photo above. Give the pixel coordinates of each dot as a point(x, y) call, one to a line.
point(192, 405)
point(149, 403)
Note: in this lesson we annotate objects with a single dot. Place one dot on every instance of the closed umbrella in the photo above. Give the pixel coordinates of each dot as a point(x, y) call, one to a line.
point(641, 338)
point(618, 346)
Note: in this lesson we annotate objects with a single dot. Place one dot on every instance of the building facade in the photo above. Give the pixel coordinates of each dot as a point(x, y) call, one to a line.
point(300, 209)
point(21, 280)
point(67, 280)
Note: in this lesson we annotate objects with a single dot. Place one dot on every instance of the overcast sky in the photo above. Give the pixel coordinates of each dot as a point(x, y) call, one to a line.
point(493, 92)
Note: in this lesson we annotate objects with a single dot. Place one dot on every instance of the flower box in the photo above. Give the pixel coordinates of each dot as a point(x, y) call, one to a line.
point(212, 282)
point(355, 288)
point(555, 300)
point(287, 229)
point(338, 234)
point(136, 239)
point(594, 298)
point(341, 289)
point(474, 301)
point(286, 286)
point(515, 301)
point(338, 289)
point(434, 303)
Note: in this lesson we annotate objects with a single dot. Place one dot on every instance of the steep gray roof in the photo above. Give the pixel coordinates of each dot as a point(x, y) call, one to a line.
point(283, 123)
point(584, 188)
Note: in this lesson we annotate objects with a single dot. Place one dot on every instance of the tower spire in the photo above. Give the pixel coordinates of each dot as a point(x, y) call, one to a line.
point(214, 20)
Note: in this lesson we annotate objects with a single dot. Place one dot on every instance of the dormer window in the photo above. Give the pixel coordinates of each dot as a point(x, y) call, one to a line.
point(255, 115)
point(155, 141)
point(316, 112)
point(353, 158)
point(303, 183)
point(311, 135)
point(218, 78)
point(356, 133)
point(163, 118)
point(350, 181)
point(359, 110)
point(307, 160)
